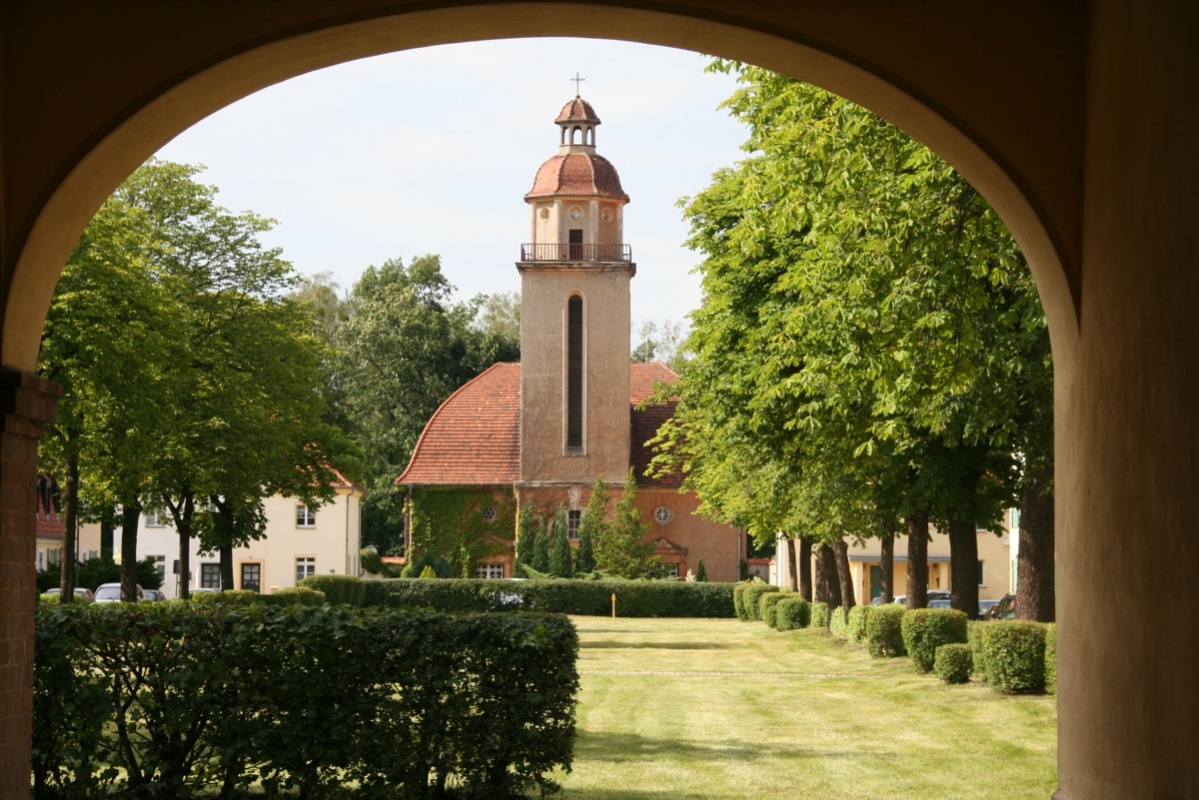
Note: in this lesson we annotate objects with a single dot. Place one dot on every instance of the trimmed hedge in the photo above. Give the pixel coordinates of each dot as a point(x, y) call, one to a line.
point(884, 631)
point(1051, 658)
point(792, 613)
point(558, 596)
point(739, 601)
point(768, 607)
point(819, 617)
point(838, 624)
point(339, 589)
point(953, 663)
point(296, 595)
point(1014, 651)
point(230, 597)
point(399, 702)
point(856, 623)
point(752, 598)
point(926, 629)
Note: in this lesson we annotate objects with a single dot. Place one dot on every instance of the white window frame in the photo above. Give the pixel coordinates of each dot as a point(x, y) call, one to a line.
point(308, 565)
point(160, 564)
point(490, 570)
point(305, 516)
point(155, 520)
point(574, 520)
point(215, 569)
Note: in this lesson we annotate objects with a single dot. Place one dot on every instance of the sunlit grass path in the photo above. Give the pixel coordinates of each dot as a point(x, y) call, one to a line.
point(728, 709)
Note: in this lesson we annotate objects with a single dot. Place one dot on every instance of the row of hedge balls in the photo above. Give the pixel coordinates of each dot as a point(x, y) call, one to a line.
point(1013, 656)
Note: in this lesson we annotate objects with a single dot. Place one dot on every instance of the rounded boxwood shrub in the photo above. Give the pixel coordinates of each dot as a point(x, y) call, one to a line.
point(739, 601)
point(837, 623)
point(953, 663)
point(1014, 651)
point(752, 596)
point(926, 629)
point(792, 612)
point(768, 607)
point(856, 623)
point(884, 631)
point(1051, 658)
point(819, 615)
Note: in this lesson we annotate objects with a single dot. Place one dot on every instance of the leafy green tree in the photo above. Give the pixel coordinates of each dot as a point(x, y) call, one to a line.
point(621, 550)
point(404, 347)
point(868, 326)
point(561, 552)
point(591, 527)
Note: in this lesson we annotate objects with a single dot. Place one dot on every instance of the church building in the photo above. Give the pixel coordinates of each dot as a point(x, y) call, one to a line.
point(542, 431)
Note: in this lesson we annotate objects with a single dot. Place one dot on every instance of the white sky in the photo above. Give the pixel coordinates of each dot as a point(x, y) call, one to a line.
point(432, 151)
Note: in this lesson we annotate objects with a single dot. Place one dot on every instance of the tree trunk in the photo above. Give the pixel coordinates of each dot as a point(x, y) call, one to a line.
point(793, 564)
point(1035, 590)
point(69, 575)
point(963, 564)
point(805, 569)
point(844, 575)
point(131, 514)
point(107, 534)
point(918, 560)
point(887, 566)
point(183, 513)
point(226, 551)
point(828, 586)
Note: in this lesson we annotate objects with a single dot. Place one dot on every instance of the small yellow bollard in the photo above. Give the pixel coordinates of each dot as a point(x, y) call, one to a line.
point(614, 605)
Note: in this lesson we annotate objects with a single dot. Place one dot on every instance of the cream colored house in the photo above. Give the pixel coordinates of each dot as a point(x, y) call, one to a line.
point(995, 557)
point(299, 541)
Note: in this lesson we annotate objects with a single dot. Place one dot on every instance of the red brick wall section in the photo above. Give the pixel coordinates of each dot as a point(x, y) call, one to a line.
point(27, 402)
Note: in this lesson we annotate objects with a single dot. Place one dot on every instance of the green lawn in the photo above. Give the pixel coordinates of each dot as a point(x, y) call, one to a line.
point(698, 708)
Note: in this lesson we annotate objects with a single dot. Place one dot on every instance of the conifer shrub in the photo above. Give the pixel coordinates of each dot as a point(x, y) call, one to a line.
point(1014, 651)
point(1051, 658)
point(926, 629)
point(856, 623)
point(339, 589)
point(701, 572)
point(974, 635)
point(753, 597)
point(792, 613)
point(739, 601)
point(427, 573)
point(953, 663)
point(838, 623)
point(819, 615)
point(767, 606)
point(884, 631)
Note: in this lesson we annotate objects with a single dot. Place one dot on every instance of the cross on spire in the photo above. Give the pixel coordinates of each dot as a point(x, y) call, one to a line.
point(577, 81)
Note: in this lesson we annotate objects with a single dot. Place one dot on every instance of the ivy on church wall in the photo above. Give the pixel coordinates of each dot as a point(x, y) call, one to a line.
point(456, 523)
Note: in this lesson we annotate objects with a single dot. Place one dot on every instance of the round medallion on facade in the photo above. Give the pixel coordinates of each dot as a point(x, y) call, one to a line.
point(606, 215)
point(489, 514)
point(662, 515)
point(576, 213)
point(544, 213)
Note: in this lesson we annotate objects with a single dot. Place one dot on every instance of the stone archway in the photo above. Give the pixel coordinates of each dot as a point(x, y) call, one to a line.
point(1074, 119)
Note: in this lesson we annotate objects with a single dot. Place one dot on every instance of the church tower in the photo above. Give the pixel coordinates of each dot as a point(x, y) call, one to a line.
point(575, 318)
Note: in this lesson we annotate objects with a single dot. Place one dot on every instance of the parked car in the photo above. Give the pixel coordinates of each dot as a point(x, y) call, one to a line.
point(152, 595)
point(81, 594)
point(111, 593)
point(940, 602)
point(984, 606)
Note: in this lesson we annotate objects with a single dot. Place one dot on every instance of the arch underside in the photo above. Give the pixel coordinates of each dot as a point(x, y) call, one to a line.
point(822, 56)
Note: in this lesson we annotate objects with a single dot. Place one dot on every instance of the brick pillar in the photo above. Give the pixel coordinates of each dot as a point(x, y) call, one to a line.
point(27, 403)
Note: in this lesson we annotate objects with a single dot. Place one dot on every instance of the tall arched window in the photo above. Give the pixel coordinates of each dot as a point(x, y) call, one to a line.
point(574, 373)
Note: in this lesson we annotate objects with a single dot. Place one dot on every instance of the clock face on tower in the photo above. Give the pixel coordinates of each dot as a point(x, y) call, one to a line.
point(576, 213)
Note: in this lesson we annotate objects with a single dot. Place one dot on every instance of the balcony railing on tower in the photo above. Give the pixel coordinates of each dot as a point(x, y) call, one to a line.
point(575, 251)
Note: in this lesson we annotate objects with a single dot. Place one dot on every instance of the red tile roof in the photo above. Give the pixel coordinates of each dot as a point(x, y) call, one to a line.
point(578, 110)
point(577, 175)
point(474, 437)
